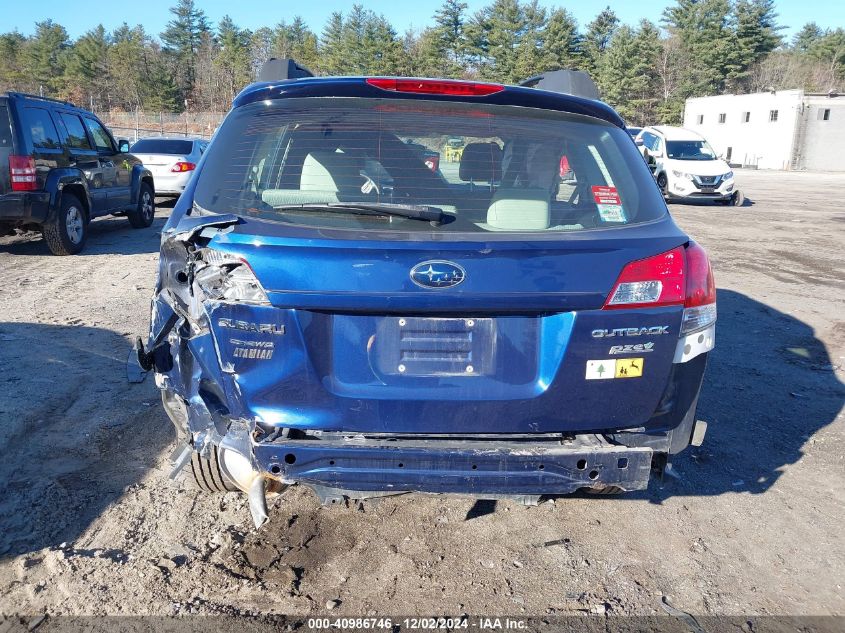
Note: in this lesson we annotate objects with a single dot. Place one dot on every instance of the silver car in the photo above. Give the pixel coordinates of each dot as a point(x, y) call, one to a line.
point(171, 160)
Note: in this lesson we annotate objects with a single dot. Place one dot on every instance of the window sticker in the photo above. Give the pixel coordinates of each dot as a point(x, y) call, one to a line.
point(611, 213)
point(606, 195)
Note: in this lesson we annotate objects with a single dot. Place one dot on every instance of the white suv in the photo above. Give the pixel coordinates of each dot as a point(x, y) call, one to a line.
point(686, 166)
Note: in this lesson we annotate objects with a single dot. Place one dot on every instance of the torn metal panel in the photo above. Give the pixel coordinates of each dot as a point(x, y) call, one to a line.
point(258, 502)
point(135, 372)
point(239, 461)
point(189, 226)
point(181, 460)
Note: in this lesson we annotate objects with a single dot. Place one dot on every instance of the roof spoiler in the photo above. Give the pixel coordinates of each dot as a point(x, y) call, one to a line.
point(281, 70)
point(571, 82)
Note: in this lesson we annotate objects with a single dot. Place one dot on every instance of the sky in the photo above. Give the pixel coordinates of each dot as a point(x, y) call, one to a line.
point(154, 14)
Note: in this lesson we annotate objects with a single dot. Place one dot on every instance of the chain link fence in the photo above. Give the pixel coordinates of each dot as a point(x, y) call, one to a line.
point(139, 124)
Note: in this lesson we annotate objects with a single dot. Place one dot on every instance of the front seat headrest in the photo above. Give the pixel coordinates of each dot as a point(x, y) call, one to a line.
point(331, 171)
point(481, 162)
point(519, 210)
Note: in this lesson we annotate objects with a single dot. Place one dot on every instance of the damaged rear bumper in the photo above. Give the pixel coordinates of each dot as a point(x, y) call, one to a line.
point(474, 467)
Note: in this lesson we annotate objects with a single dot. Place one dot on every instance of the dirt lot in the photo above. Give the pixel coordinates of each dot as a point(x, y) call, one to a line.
point(90, 523)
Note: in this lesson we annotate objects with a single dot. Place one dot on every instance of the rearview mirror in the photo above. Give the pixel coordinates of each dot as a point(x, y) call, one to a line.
point(123, 145)
point(638, 141)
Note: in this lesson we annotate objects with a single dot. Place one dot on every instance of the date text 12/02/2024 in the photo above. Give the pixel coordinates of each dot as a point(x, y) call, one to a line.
point(444, 623)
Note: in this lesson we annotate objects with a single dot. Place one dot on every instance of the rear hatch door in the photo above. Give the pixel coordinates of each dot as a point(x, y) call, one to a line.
point(512, 348)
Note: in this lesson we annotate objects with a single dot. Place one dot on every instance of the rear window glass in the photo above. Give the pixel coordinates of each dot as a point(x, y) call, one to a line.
point(42, 130)
point(5, 128)
point(488, 168)
point(162, 146)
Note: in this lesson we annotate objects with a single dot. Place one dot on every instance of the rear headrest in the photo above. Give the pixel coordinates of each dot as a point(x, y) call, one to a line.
point(331, 171)
point(519, 210)
point(481, 162)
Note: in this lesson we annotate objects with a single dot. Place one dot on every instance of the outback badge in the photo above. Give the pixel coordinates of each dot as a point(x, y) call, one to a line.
point(437, 273)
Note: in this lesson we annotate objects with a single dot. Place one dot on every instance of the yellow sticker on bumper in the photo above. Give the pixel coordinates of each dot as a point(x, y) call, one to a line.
point(629, 367)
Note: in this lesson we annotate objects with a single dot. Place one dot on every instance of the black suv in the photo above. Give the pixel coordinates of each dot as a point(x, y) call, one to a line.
point(64, 168)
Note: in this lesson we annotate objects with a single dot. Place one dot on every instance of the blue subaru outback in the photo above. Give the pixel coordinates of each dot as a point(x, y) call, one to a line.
point(374, 286)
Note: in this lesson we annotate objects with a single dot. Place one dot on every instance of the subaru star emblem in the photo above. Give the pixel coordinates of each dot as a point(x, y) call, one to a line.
point(437, 273)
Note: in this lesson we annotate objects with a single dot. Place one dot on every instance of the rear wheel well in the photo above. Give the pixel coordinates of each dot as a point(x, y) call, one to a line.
point(79, 192)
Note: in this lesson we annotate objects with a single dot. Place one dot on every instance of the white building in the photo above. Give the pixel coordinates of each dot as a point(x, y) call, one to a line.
point(784, 129)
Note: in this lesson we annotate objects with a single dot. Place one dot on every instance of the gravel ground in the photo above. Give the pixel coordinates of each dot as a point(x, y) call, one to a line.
point(90, 523)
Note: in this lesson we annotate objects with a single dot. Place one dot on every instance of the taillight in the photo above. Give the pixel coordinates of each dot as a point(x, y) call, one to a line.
point(226, 277)
point(182, 166)
point(22, 173)
point(700, 302)
point(436, 86)
point(432, 162)
point(682, 276)
point(650, 282)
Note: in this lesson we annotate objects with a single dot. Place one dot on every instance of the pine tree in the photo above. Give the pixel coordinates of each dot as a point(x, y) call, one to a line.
point(529, 55)
point(296, 41)
point(355, 61)
point(87, 76)
point(383, 51)
point(128, 49)
point(597, 38)
point(756, 32)
point(331, 46)
point(182, 39)
point(804, 39)
point(627, 74)
point(561, 42)
point(500, 27)
point(708, 45)
point(233, 58)
point(159, 92)
point(12, 71)
point(829, 52)
point(427, 57)
point(448, 34)
point(46, 56)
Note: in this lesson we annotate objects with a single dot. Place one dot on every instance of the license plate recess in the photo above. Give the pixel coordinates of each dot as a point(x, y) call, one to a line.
point(433, 346)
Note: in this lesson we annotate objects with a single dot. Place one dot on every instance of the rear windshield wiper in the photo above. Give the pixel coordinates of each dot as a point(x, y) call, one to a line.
point(410, 211)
